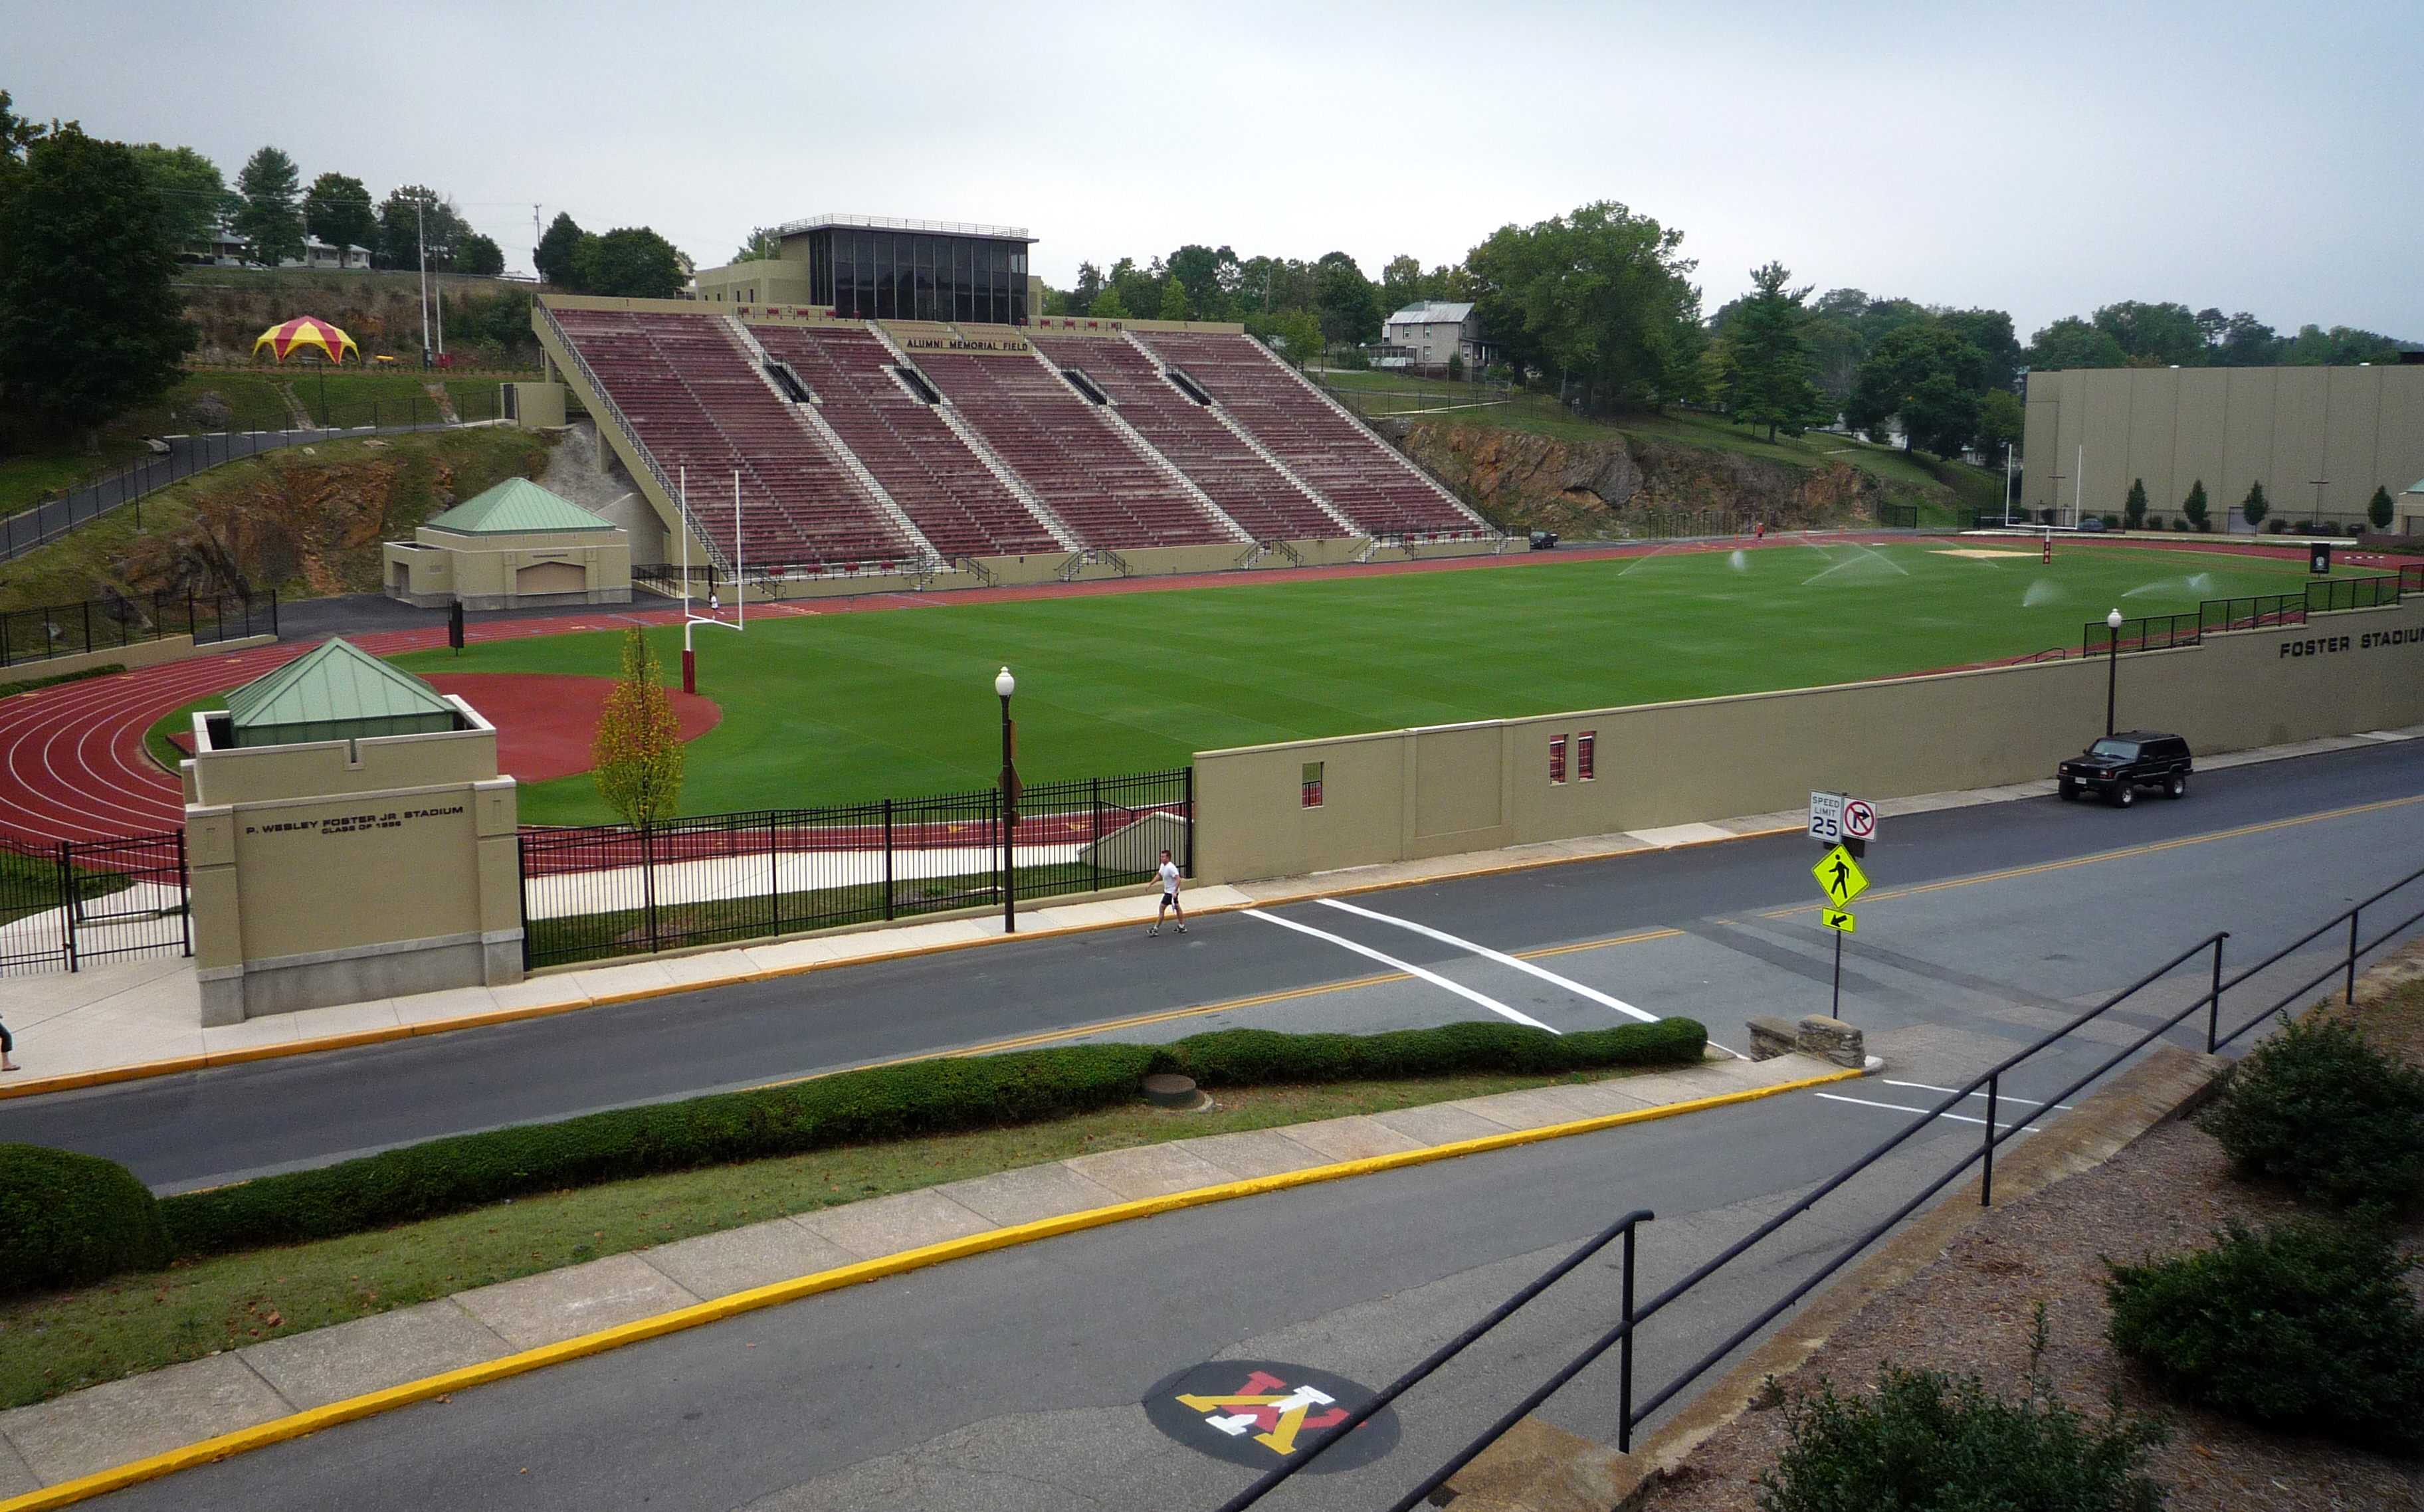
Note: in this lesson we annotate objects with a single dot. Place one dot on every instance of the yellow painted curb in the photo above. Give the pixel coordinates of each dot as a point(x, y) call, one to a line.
point(296, 1426)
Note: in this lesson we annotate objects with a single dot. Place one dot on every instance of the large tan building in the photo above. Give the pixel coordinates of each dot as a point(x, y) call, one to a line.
point(879, 267)
point(2320, 439)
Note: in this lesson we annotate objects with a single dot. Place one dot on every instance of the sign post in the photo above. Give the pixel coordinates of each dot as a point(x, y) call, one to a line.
point(1840, 879)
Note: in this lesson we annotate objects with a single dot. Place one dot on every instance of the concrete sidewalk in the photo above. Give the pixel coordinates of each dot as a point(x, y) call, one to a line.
point(283, 1386)
point(141, 1018)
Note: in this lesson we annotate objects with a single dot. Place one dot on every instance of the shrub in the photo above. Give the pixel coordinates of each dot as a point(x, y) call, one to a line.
point(67, 1218)
point(2318, 1107)
point(2379, 508)
point(1927, 1441)
point(2254, 506)
point(2134, 506)
point(2306, 1326)
point(937, 1096)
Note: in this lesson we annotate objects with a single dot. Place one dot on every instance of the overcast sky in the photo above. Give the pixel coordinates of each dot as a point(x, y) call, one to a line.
point(2043, 159)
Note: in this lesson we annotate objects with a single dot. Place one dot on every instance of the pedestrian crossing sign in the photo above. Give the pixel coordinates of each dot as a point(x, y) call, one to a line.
point(1838, 876)
point(1836, 919)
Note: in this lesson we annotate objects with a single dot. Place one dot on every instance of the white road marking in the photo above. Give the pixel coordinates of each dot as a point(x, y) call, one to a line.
point(1487, 954)
point(1899, 1108)
point(1924, 1087)
point(1394, 965)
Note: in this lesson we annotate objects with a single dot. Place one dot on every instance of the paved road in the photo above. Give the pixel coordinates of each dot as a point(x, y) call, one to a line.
point(1987, 926)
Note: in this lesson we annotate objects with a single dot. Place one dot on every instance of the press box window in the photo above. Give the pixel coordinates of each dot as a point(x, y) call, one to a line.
point(1312, 784)
point(1585, 751)
point(1557, 759)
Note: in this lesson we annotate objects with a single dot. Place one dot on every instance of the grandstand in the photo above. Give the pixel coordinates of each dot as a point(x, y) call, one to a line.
point(917, 447)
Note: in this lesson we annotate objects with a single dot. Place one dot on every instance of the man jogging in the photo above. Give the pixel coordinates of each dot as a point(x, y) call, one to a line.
point(1169, 874)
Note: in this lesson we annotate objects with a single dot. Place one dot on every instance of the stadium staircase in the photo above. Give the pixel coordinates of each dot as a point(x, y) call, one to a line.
point(1100, 405)
point(1266, 503)
point(919, 385)
point(1362, 476)
point(600, 402)
point(954, 500)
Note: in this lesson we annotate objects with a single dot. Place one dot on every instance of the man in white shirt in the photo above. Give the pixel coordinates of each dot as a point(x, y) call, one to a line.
point(1169, 874)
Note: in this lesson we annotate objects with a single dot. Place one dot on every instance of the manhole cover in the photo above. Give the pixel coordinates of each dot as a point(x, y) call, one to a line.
point(1262, 1412)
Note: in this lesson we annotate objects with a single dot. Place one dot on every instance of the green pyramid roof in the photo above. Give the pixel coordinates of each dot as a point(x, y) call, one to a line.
point(2416, 487)
point(518, 507)
point(335, 691)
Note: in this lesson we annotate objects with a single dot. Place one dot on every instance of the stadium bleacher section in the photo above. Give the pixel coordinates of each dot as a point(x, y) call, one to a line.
point(986, 448)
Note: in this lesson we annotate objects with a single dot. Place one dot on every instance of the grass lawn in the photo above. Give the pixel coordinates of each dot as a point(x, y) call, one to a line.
point(58, 1342)
point(842, 707)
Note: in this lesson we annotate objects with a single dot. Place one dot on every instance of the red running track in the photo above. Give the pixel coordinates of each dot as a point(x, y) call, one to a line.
point(72, 758)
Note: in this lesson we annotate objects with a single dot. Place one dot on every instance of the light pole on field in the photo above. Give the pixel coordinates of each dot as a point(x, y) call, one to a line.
point(1005, 685)
point(2112, 667)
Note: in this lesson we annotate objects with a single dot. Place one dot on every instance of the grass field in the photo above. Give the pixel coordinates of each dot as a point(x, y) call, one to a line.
point(840, 707)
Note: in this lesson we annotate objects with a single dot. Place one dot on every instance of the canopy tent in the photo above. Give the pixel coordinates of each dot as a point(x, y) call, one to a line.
point(307, 333)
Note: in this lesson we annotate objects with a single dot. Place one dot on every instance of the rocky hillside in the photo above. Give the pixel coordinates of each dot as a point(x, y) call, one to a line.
point(1611, 489)
point(487, 320)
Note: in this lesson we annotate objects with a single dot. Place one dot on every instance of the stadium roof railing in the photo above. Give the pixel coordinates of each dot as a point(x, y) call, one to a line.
point(891, 223)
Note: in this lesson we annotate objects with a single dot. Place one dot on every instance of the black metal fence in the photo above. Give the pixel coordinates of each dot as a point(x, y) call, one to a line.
point(593, 892)
point(66, 903)
point(107, 624)
point(2157, 632)
point(1997, 1129)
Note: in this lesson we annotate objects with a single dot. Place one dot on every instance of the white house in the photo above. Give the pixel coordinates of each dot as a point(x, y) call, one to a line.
point(1424, 336)
point(320, 254)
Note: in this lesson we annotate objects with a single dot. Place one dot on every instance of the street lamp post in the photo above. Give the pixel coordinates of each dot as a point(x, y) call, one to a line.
point(1005, 685)
point(2113, 667)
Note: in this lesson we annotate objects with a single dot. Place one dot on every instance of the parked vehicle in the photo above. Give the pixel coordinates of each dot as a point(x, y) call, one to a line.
point(2116, 767)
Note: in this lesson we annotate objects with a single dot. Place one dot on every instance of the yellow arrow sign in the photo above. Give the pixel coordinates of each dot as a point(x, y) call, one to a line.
point(1834, 918)
point(1838, 876)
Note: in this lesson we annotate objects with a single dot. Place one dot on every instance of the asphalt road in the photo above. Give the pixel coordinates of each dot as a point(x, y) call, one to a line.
point(1986, 926)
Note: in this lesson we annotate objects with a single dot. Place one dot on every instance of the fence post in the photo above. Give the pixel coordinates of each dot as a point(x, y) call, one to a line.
point(185, 885)
point(1189, 841)
point(1624, 1356)
point(773, 876)
point(1986, 1181)
point(68, 903)
point(887, 861)
point(522, 852)
point(1095, 829)
point(2351, 961)
point(648, 879)
point(2213, 1008)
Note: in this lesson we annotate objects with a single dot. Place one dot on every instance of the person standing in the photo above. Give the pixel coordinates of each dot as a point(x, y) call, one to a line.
point(8, 1044)
point(1168, 871)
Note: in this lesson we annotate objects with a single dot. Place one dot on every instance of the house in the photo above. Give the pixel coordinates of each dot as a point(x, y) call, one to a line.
point(320, 254)
point(1424, 335)
point(221, 248)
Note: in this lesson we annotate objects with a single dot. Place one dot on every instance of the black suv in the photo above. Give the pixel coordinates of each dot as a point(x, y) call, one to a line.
point(2117, 766)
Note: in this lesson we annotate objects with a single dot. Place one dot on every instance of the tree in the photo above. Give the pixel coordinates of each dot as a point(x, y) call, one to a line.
point(2254, 507)
point(416, 221)
point(2195, 506)
point(1401, 282)
point(477, 254)
point(1929, 378)
point(1173, 299)
point(1106, 304)
point(2133, 509)
point(1602, 295)
point(90, 321)
point(338, 209)
point(2002, 419)
point(1296, 333)
point(1090, 284)
point(193, 197)
point(1349, 310)
point(2240, 341)
point(631, 262)
point(762, 246)
point(17, 134)
point(270, 218)
point(637, 751)
point(1201, 272)
point(1990, 332)
point(2072, 343)
point(2379, 509)
point(555, 256)
point(2161, 333)
point(1762, 363)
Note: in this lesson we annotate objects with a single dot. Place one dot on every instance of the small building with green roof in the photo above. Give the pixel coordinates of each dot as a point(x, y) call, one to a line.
point(516, 545)
point(335, 691)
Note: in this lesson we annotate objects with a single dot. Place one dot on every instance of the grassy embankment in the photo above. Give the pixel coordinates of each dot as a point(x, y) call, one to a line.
point(1933, 486)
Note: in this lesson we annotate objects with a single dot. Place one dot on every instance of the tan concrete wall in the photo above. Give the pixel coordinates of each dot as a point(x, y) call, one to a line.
point(536, 407)
point(340, 872)
point(141, 654)
point(1405, 794)
point(2361, 428)
point(766, 281)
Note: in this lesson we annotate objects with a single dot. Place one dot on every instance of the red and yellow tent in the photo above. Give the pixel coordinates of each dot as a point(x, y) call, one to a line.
point(303, 334)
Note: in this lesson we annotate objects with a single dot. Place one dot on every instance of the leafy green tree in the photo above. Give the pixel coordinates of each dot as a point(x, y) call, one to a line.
point(1202, 273)
point(2072, 343)
point(2002, 419)
point(2379, 509)
point(1089, 286)
point(1602, 295)
point(1348, 306)
point(1762, 363)
point(1928, 377)
point(762, 246)
point(271, 219)
point(2254, 506)
point(555, 256)
point(2339, 347)
point(415, 220)
point(2133, 509)
point(17, 134)
point(1297, 334)
point(1173, 299)
point(631, 262)
point(2239, 341)
point(2159, 333)
point(1106, 305)
point(478, 254)
point(2195, 506)
point(1990, 332)
point(338, 209)
point(90, 321)
point(193, 197)
point(1401, 282)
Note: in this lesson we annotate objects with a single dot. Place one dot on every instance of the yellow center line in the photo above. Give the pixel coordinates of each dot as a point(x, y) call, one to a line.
point(1026, 1042)
point(2123, 854)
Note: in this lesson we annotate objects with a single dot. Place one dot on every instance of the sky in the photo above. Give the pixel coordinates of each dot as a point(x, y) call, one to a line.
point(2043, 159)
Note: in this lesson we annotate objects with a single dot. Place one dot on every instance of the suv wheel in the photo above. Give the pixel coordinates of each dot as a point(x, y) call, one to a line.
point(2068, 789)
point(2124, 793)
point(2178, 787)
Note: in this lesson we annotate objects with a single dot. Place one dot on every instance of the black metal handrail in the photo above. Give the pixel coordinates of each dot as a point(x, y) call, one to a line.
point(1987, 1083)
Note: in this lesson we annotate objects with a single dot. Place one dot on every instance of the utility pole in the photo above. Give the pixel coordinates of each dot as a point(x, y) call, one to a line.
point(421, 247)
point(535, 239)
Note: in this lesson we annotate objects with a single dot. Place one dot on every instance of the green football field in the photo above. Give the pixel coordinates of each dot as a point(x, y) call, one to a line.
point(841, 707)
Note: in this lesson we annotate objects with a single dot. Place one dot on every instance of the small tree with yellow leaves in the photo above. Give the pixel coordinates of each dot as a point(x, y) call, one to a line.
point(638, 750)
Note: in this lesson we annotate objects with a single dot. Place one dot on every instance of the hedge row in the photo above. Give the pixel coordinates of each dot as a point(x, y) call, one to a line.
point(923, 1097)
